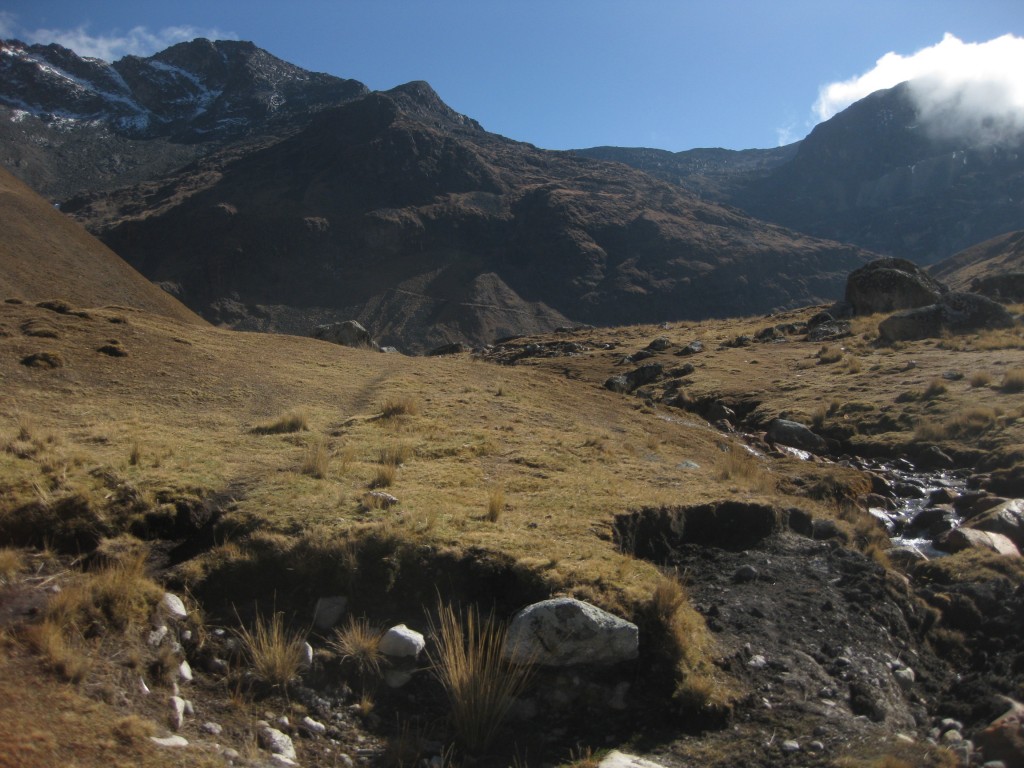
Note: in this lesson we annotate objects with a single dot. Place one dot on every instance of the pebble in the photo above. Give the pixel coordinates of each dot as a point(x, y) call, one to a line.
point(816, 746)
point(744, 574)
point(312, 726)
point(173, 607)
point(757, 661)
point(185, 672)
point(790, 746)
point(177, 714)
point(214, 729)
point(157, 636)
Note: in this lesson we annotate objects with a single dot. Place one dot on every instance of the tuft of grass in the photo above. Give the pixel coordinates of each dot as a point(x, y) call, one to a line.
point(969, 422)
point(395, 454)
point(935, 388)
point(980, 379)
point(316, 458)
point(133, 730)
point(275, 651)
point(1013, 380)
point(384, 476)
point(480, 685)
point(827, 355)
point(50, 641)
point(668, 597)
point(292, 421)
point(495, 504)
point(12, 562)
point(405, 405)
point(358, 644)
point(135, 455)
point(741, 467)
point(116, 597)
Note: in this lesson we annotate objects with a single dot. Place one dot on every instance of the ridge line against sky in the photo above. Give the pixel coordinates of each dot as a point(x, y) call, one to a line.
point(577, 73)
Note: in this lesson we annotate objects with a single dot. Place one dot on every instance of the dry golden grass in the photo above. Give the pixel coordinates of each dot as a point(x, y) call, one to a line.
point(395, 454)
point(316, 458)
point(495, 504)
point(1013, 380)
point(980, 379)
point(384, 476)
point(406, 405)
point(273, 649)
point(738, 466)
point(292, 421)
point(358, 644)
point(117, 597)
point(481, 687)
point(935, 388)
point(827, 355)
point(12, 562)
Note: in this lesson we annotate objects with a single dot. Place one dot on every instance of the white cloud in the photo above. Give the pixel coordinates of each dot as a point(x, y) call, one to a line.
point(138, 41)
point(7, 25)
point(960, 88)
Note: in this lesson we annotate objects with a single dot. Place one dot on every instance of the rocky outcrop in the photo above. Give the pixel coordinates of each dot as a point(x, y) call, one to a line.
point(954, 313)
point(795, 435)
point(348, 333)
point(1006, 288)
point(886, 285)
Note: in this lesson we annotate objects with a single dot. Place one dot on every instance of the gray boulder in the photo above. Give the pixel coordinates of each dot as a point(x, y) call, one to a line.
point(886, 285)
point(963, 538)
point(953, 313)
point(348, 333)
point(627, 382)
point(1006, 518)
point(1007, 287)
point(795, 435)
point(563, 631)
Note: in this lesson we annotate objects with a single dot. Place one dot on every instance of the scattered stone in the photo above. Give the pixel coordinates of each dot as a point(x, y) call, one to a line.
point(564, 631)
point(616, 759)
point(400, 641)
point(190, 710)
point(307, 656)
point(816, 746)
point(172, 607)
point(177, 713)
point(275, 742)
point(157, 636)
point(328, 611)
point(216, 665)
point(796, 435)
point(970, 538)
point(185, 672)
point(790, 746)
point(660, 344)
point(380, 500)
point(143, 688)
point(954, 313)
point(214, 729)
point(757, 661)
point(745, 573)
point(693, 348)
point(1006, 518)
point(169, 741)
point(312, 726)
point(1003, 739)
point(905, 677)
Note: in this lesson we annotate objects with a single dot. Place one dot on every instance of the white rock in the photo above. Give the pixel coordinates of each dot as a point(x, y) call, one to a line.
point(329, 611)
point(172, 607)
point(143, 688)
point(157, 636)
point(276, 743)
point(616, 759)
point(185, 672)
point(214, 729)
point(310, 725)
point(307, 656)
point(282, 760)
point(190, 709)
point(564, 631)
point(177, 714)
point(790, 746)
point(905, 677)
point(757, 661)
point(170, 741)
point(400, 641)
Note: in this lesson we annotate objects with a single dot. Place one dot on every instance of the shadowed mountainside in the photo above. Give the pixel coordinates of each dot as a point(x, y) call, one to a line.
point(399, 212)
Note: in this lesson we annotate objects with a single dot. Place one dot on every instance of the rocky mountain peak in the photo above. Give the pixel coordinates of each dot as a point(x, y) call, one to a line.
point(419, 100)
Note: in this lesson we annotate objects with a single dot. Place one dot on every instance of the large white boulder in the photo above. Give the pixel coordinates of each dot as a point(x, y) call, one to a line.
point(564, 631)
point(400, 641)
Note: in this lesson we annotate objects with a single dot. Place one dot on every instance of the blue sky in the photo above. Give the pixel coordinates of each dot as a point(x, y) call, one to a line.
point(573, 73)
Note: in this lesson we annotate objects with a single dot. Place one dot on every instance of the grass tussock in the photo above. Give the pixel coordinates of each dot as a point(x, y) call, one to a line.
point(292, 421)
point(395, 454)
point(829, 354)
point(495, 504)
point(384, 476)
point(1013, 380)
point(480, 685)
point(935, 388)
point(12, 562)
point(275, 651)
point(741, 467)
point(394, 407)
point(50, 641)
point(118, 597)
point(980, 379)
point(316, 458)
point(358, 646)
point(969, 422)
point(134, 730)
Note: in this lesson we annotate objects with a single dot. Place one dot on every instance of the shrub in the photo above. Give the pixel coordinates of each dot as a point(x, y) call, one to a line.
point(275, 651)
point(292, 421)
point(1013, 380)
point(935, 388)
point(480, 685)
point(827, 355)
point(316, 458)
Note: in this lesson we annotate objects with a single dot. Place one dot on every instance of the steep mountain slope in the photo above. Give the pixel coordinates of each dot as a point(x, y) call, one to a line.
point(873, 175)
point(993, 259)
point(46, 255)
point(71, 124)
point(398, 211)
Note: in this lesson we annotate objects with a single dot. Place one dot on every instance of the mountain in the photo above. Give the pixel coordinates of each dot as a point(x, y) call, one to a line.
point(991, 260)
point(72, 124)
point(46, 255)
point(397, 211)
point(875, 175)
